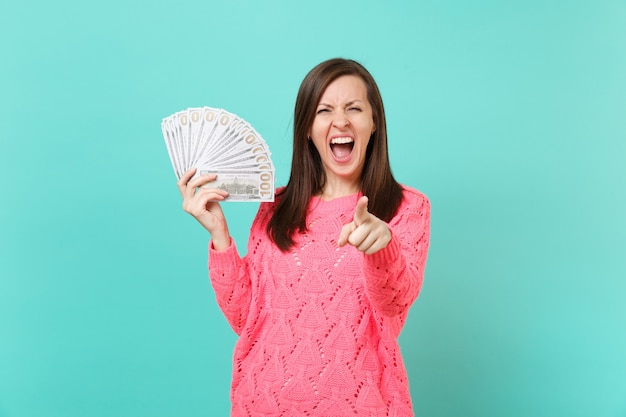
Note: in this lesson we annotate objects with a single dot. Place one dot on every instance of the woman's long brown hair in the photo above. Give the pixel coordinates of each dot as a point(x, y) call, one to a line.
point(307, 173)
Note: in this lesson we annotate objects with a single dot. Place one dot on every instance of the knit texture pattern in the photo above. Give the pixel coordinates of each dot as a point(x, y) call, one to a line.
point(318, 325)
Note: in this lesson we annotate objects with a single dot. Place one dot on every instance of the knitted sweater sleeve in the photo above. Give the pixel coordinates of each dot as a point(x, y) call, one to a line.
point(394, 274)
point(231, 282)
point(230, 275)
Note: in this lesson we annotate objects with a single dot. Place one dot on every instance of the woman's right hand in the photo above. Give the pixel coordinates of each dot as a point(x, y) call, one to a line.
point(203, 204)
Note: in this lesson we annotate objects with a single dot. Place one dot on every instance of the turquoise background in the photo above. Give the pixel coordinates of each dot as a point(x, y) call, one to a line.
point(509, 115)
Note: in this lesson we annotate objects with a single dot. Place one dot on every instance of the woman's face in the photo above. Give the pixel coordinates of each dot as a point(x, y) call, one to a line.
point(342, 128)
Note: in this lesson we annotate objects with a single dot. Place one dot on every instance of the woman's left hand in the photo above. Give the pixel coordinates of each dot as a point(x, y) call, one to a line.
point(365, 232)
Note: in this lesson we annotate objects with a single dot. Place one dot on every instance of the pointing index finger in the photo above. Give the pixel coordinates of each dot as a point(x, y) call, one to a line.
point(361, 212)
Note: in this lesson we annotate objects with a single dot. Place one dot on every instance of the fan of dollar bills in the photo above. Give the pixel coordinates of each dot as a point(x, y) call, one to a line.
point(218, 142)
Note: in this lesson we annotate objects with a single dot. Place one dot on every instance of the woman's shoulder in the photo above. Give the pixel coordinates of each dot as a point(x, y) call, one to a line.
point(415, 207)
point(413, 197)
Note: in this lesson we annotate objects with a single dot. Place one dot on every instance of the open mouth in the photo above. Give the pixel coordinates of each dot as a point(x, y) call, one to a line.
point(341, 147)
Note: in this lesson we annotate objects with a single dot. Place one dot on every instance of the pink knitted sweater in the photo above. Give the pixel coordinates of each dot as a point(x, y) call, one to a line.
point(318, 325)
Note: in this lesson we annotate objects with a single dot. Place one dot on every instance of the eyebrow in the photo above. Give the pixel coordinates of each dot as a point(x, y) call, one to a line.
point(349, 103)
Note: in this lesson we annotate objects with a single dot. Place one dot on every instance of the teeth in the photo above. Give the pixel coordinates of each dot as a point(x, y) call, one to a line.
point(341, 140)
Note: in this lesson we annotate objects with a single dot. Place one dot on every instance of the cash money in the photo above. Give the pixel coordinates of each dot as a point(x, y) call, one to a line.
point(216, 141)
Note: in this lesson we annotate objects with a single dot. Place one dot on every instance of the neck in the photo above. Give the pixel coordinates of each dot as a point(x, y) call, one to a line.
point(336, 189)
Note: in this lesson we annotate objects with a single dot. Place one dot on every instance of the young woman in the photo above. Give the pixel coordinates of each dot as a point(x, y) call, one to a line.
point(332, 267)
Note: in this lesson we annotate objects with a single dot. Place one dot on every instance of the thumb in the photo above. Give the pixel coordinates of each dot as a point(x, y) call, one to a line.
point(361, 214)
point(345, 233)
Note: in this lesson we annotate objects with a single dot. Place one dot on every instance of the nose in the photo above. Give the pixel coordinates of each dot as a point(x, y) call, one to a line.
point(340, 120)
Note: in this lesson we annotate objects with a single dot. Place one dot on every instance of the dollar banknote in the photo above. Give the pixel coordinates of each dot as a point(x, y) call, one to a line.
point(244, 185)
point(216, 141)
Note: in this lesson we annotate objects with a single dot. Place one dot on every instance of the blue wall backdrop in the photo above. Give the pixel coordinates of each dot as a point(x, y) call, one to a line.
point(509, 115)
